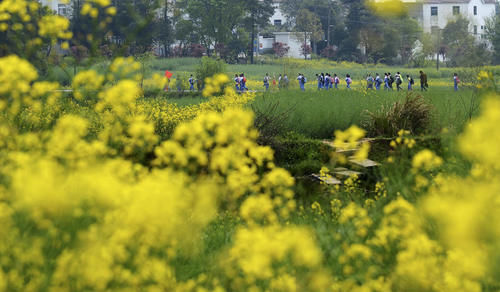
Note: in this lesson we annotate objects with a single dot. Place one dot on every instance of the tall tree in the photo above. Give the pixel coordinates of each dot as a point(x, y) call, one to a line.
point(214, 20)
point(309, 24)
point(493, 35)
point(133, 24)
point(462, 48)
point(258, 14)
point(163, 30)
point(357, 17)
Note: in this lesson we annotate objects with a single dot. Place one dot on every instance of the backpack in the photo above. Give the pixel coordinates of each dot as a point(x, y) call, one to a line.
point(398, 81)
point(391, 80)
point(458, 80)
point(412, 81)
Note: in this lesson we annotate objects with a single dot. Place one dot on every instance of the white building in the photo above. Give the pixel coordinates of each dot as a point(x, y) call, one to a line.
point(294, 40)
point(437, 13)
point(278, 18)
point(57, 6)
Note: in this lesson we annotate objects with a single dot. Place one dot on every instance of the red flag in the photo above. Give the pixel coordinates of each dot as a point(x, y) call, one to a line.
point(168, 74)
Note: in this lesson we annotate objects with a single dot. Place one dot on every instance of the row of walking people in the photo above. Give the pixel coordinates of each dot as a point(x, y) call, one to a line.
point(374, 82)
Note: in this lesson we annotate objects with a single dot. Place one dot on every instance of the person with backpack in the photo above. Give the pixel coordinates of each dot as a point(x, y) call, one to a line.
point(410, 82)
point(327, 81)
point(321, 80)
point(266, 81)
point(456, 81)
point(399, 81)
point(302, 82)
point(286, 81)
point(369, 81)
point(191, 83)
point(336, 80)
point(348, 81)
point(243, 83)
point(391, 81)
point(386, 81)
point(378, 81)
point(423, 81)
point(237, 82)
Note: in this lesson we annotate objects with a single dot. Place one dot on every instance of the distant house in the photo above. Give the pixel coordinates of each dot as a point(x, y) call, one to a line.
point(433, 15)
point(294, 40)
point(57, 6)
point(437, 13)
point(278, 18)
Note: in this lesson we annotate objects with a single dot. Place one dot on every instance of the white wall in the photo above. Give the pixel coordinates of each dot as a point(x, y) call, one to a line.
point(484, 11)
point(278, 14)
point(54, 5)
point(445, 14)
point(294, 41)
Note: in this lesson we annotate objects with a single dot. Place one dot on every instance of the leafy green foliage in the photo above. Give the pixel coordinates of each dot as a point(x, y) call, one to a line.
point(209, 67)
point(462, 47)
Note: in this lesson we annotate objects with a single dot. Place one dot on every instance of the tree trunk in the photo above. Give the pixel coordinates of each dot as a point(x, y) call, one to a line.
point(305, 46)
point(252, 45)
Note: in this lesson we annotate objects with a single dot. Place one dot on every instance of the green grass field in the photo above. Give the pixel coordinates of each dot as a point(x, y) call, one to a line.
point(317, 114)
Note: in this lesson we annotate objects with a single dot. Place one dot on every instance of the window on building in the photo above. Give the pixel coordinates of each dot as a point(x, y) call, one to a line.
point(475, 29)
point(475, 10)
point(277, 22)
point(62, 9)
point(434, 11)
point(456, 10)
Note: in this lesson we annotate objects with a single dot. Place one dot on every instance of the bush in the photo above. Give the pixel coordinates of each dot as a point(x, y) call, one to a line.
point(270, 118)
point(300, 155)
point(181, 83)
point(209, 67)
point(412, 114)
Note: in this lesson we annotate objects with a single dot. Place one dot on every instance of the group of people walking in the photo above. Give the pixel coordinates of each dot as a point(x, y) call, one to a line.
point(389, 82)
point(240, 82)
point(326, 81)
point(282, 82)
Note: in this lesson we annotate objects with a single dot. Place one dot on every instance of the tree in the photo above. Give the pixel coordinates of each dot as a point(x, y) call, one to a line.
point(462, 48)
point(409, 31)
point(309, 24)
point(258, 14)
point(306, 50)
point(280, 49)
point(186, 34)
point(163, 30)
point(329, 52)
point(357, 16)
point(214, 20)
point(133, 25)
point(493, 35)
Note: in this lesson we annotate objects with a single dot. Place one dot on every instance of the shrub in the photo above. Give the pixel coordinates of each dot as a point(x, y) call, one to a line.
point(270, 118)
point(209, 67)
point(299, 154)
point(412, 114)
point(280, 49)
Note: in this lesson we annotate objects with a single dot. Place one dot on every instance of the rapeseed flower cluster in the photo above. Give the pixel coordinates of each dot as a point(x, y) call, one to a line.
point(216, 85)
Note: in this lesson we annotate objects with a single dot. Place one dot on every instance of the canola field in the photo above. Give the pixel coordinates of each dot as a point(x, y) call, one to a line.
point(104, 190)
